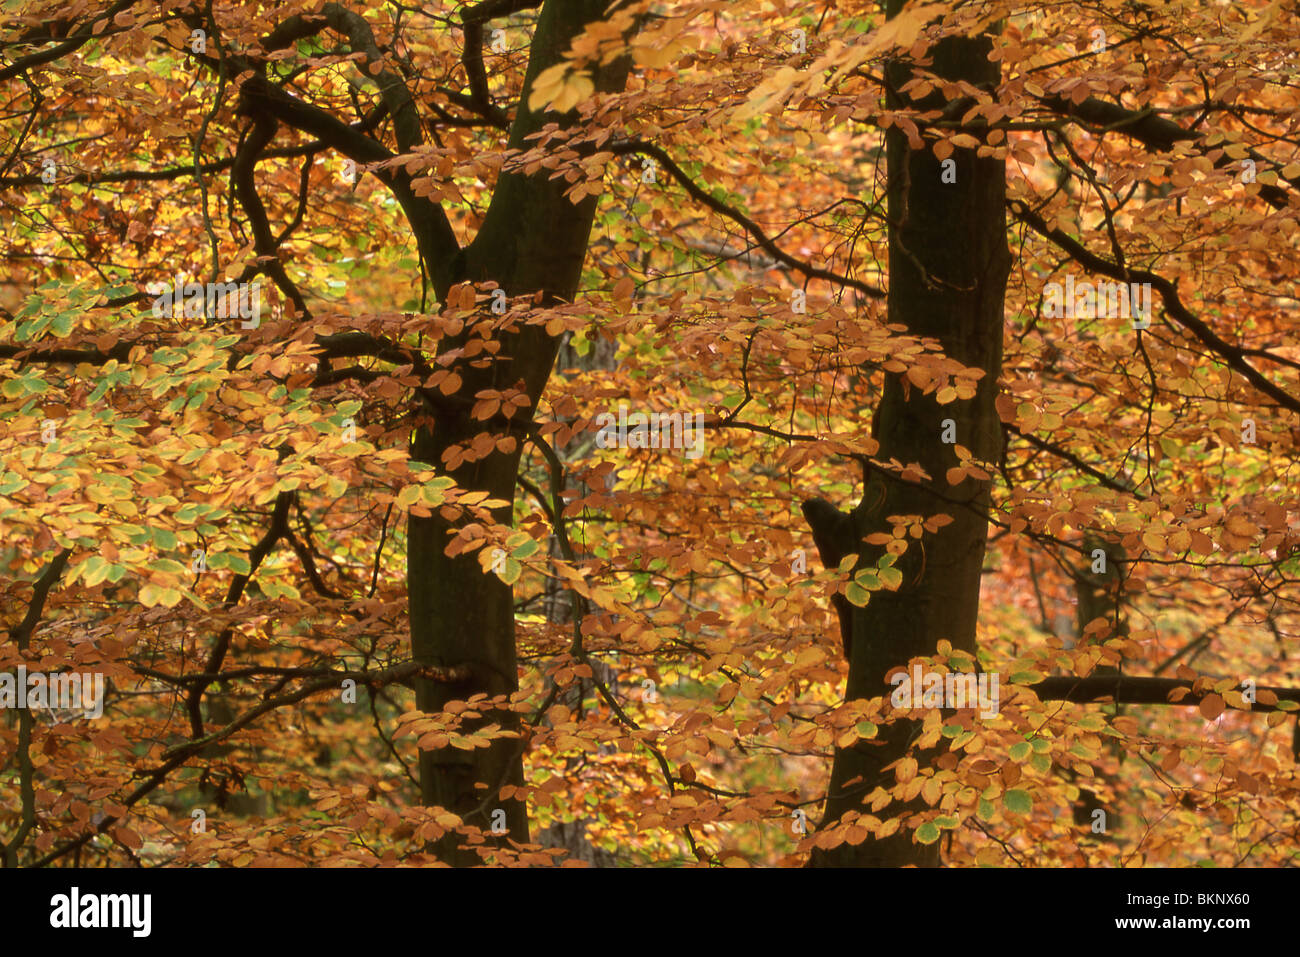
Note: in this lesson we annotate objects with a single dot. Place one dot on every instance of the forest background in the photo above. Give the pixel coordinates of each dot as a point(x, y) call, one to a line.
point(365, 587)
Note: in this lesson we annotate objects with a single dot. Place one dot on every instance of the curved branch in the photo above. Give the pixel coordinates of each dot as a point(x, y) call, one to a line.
point(1156, 133)
point(764, 242)
point(433, 231)
point(1232, 355)
point(274, 532)
point(473, 18)
point(175, 757)
point(78, 37)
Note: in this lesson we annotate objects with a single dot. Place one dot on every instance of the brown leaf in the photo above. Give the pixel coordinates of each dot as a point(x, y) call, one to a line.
point(1211, 706)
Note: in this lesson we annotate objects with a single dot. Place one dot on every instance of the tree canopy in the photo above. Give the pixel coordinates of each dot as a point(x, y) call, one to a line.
point(523, 433)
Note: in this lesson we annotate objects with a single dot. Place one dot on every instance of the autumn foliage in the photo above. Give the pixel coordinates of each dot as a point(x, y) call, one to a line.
point(213, 512)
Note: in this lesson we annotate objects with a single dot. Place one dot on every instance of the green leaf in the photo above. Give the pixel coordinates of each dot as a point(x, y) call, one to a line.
point(62, 323)
point(277, 590)
point(867, 579)
point(134, 533)
point(151, 595)
point(29, 383)
point(927, 833)
point(12, 483)
point(1017, 801)
point(857, 595)
point(1020, 751)
point(167, 566)
point(94, 570)
point(510, 574)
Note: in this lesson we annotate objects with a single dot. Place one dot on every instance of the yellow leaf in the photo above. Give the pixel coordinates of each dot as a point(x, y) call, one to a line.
point(807, 657)
point(547, 86)
point(652, 56)
point(577, 88)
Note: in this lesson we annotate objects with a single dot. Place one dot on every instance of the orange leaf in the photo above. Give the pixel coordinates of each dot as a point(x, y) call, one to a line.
point(1211, 706)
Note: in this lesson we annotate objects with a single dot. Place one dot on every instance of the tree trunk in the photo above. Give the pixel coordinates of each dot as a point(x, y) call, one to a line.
point(948, 266)
point(533, 240)
point(1099, 594)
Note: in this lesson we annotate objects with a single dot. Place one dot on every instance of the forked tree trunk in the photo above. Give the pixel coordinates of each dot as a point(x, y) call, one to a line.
point(533, 239)
point(948, 266)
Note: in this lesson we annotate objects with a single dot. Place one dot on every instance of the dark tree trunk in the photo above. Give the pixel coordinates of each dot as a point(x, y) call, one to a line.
point(948, 266)
point(533, 240)
point(1099, 594)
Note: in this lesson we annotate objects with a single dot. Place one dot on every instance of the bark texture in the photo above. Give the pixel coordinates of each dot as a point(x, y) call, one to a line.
point(948, 266)
point(532, 240)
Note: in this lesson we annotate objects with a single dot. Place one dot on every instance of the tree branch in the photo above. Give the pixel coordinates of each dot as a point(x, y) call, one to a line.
point(78, 37)
point(1130, 689)
point(1155, 132)
point(764, 242)
point(1233, 355)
